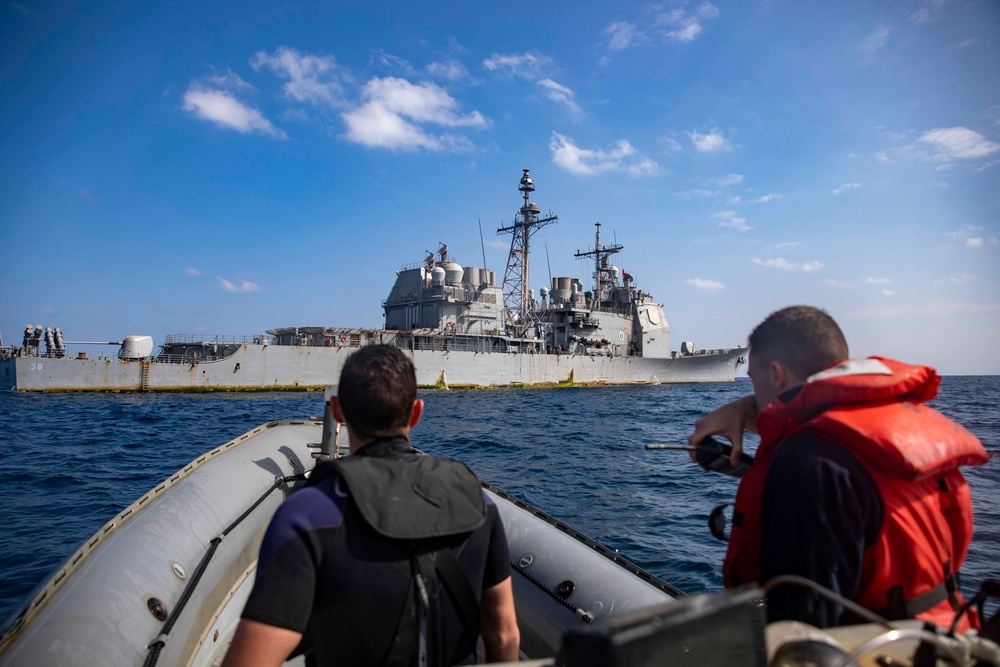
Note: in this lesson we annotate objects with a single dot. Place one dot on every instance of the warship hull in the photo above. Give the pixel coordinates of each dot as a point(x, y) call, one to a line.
point(287, 367)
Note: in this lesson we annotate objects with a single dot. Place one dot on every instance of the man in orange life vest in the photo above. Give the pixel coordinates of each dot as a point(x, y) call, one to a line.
point(855, 484)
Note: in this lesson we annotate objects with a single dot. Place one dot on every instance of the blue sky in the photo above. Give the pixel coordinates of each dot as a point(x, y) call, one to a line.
point(228, 168)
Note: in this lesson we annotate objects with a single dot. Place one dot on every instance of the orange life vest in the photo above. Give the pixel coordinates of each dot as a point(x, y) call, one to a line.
point(872, 407)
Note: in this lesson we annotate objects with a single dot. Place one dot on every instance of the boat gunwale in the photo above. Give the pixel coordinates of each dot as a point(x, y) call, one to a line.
point(31, 608)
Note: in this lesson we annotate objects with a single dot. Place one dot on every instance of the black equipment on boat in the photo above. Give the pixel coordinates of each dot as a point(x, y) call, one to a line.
point(714, 455)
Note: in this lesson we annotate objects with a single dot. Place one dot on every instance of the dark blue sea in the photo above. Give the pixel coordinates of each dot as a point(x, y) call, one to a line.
point(69, 462)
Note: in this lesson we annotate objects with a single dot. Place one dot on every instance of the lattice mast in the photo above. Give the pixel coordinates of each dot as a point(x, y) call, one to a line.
point(604, 274)
point(515, 278)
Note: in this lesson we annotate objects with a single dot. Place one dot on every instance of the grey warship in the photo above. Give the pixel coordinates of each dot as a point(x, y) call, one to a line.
point(461, 328)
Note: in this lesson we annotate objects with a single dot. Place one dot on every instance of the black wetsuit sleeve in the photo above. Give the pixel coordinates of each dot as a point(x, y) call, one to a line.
point(498, 555)
point(821, 510)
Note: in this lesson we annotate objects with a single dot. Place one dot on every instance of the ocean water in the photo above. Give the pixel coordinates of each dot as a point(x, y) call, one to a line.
point(69, 462)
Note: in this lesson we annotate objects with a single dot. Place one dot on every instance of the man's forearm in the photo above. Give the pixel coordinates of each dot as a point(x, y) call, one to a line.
point(501, 636)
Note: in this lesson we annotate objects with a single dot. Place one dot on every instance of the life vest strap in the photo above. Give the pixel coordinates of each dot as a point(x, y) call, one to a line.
point(900, 608)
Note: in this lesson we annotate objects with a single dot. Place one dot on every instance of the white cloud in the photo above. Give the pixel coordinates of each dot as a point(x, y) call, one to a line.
point(583, 161)
point(844, 187)
point(956, 280)
point(971, 236)
point(559, 93)
point(191, 271)
point(768, 197)
point(223, 109)
point(830, 282)
point(671, 145)
point(887, 292)
point(786, 244)
point(525, 65)
point(712, 142)
point(882, 156)
point(785, 265)
point(696, 194)
point(310, 78)
point(731, 219)
point(707, 285)
point(393, 111)
point(929, 12)
point(393, 63)
point(244, 286)
point(953, 143)
point(451, 70)
point(622, 35)
point(727, 181)
point(876, 40)
point(680, 25)
point(878, 280)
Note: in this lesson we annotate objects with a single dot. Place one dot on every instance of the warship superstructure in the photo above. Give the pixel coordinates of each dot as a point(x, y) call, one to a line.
point(460, 326)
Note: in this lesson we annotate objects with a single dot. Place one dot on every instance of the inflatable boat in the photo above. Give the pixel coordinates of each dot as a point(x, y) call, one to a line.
point(164, 582)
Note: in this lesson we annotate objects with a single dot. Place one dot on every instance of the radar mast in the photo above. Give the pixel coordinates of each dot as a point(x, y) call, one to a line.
point(515, 278)
point(604, 276)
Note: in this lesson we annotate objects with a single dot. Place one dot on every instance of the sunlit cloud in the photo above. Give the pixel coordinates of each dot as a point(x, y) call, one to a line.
point(707, 285)
point(559, 93)
point(712, 142)
point(727, 181)
point(878, 280)
point(680, 25)
point(528, 65)
point(244, 286)
point(887, 292)
point(768, 197)
point(830, 282)
point(876, 40)
point(956, 280)
point(696, 194)
point(971, 236)
point(586, 162)
point(191, 271)
point(785, 265)
point(958, 143)
point(450, 70)
point(394, 110)
point(731, 219)
point(225, 110)
point(844, 187)
point(622, 35)
point(309, 78)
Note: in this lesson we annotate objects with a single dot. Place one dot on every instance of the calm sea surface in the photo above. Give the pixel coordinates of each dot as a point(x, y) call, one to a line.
point(69, 462)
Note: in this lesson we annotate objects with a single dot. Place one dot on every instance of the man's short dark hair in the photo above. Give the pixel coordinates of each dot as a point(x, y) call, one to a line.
point(377, 388)
point(804, 338)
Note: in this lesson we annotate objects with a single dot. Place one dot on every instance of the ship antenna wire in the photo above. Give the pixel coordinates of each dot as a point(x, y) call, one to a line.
point(548, 261)
point(482, 244)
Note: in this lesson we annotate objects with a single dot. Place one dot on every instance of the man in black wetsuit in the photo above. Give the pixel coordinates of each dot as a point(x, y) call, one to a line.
point(387, 557)
point(855, 484)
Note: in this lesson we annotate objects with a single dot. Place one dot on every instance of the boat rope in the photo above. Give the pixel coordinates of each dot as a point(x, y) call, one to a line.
point(585, 616)
point(156, 646)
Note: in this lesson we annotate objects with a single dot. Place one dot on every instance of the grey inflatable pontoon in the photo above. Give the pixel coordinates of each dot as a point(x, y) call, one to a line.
point(164, 582)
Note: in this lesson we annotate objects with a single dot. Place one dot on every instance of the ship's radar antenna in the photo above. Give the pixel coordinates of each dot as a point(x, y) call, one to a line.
point(604, 273)
point(515, 278)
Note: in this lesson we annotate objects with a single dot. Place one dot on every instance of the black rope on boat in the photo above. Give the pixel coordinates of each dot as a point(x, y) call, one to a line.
point(156, 646)
point(587, 618)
